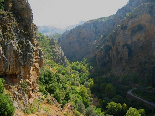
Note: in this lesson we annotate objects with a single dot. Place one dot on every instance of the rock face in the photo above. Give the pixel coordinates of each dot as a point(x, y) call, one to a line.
point(58, 53)
point(131, 47)
point(81, 41)
point(84, 41)
point(51, 50)
point(20, 55)
point(121, 44)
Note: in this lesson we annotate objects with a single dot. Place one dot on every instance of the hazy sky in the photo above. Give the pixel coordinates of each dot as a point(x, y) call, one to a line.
point(62, 13)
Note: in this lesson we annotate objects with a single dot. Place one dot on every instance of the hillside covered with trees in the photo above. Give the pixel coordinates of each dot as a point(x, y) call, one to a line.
point(74, 84)
point(95, 69)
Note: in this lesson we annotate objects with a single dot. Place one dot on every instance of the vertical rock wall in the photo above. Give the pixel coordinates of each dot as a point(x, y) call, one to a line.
point(20, 55)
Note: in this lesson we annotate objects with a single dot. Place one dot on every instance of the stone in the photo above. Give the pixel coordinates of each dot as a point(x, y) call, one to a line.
point(15, 104)
point(117, 44)
point(20, 55)
point(131, 44)
point(86, 40)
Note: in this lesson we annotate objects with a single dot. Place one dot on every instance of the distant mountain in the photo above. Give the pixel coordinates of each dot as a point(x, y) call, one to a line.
point(51, 30)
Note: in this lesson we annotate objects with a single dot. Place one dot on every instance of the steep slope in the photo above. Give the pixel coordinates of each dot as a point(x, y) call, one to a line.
point(130, 48)
point(20, 55)
point(82, 41)
point(21, 59)
point(51, 49)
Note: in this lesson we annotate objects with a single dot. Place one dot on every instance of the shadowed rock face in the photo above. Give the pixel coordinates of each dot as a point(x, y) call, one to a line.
point(121, 44)
point(131, 47)
point(84, 41)
point(20, 55)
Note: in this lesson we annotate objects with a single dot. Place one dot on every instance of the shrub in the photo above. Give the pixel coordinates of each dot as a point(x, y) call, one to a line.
point(110, 90)
point(141, 111)
point(1, 85)
point(58, 96)
point(31, 109)
point(90, 112)
point(76, 113)
point(80, 107)
point(132, 112)
point(49, 101)
point(114, 108)
point(1, 5)
point(6, 105)
point(28, 111)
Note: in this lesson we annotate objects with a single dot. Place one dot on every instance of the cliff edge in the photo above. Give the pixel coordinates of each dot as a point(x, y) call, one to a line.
point(20, 55)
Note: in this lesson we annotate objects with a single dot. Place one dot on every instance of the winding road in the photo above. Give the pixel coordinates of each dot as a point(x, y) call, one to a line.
point(145, 101)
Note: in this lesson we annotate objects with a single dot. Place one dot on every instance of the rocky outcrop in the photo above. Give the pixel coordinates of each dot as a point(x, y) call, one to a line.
point(121, 44)
point(81, 41)
point(20, 55)
point(131, 47)
point(58, 53)
point(51, 49)
point(84, 40)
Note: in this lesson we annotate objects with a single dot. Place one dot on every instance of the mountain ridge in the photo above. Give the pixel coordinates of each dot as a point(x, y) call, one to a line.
point(48, 30)
point(88, 36)
point(109, 45)
point(135, 36)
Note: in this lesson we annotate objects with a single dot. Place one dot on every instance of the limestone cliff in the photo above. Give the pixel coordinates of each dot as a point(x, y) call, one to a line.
point(131, 47)
point(120, 44)
point(84, 41)
point(20, 55)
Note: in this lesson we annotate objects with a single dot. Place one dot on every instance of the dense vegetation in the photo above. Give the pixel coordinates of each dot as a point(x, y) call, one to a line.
point(51, 49)
point(1, 5)
point(6, 105)
point(75, 84)
point(47, 46)
point(70, 84)
point(114, 88)
point(146, 93)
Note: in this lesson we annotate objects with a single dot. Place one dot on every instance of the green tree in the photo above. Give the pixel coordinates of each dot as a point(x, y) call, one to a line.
point(132, 112)
point(124, 108)
point(80, 107)
point(83, 92)
point(102, 86)
point(90, 112)
point(46, 76)
point(114, 108)
point(91, 83)
point(67, 96)
point(1, 85)
point(86, 84)
point(58, 96)
point(51, 88)
point(110, 90)
point(85, 97)
point(142, 112)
